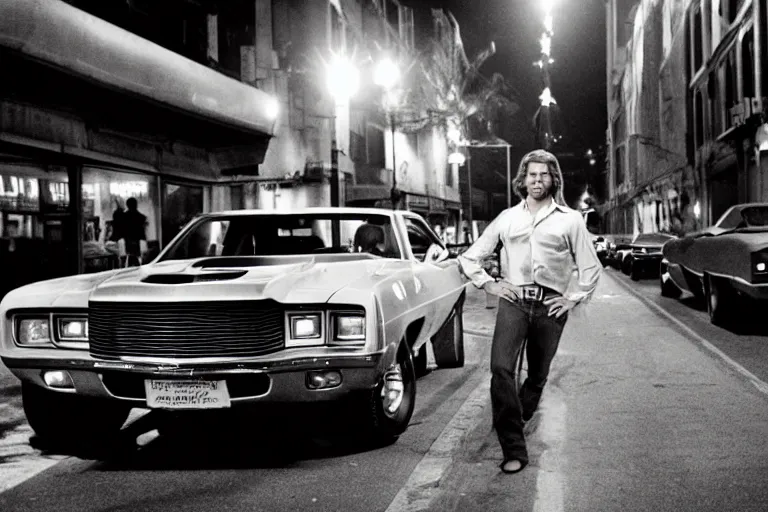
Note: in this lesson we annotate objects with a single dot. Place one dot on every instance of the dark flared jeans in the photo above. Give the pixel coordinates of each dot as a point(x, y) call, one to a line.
point(516, 321)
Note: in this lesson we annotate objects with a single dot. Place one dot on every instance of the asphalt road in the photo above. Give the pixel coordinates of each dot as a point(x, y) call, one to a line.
point(642, 412)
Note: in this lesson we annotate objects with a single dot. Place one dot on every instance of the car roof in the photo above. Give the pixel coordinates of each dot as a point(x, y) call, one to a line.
point(327, 210)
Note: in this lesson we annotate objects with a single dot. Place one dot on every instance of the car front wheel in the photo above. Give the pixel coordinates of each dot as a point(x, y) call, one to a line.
point(391, 403)
point(64, 419)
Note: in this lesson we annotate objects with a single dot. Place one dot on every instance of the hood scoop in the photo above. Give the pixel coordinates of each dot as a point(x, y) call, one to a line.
point(193, 278)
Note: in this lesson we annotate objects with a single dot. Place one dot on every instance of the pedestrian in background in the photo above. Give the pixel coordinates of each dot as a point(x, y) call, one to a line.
point(548, 266)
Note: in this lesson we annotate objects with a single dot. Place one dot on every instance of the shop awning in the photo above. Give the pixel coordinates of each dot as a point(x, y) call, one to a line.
point(65, 37)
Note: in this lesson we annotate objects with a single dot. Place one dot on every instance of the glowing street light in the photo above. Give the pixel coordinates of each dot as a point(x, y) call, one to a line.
point(386, 74)
point(343, 78)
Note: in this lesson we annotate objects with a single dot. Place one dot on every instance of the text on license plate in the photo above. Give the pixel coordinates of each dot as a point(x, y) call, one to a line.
point(186, 394)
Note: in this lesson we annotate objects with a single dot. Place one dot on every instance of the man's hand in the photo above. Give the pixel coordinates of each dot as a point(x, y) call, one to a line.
point(559, 306)
point(502, 289)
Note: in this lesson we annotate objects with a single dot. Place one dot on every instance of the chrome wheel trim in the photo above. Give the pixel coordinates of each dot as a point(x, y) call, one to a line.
point(392, 391)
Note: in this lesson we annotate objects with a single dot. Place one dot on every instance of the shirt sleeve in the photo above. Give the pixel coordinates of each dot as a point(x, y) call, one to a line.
point(588, 266)
point(471, 261)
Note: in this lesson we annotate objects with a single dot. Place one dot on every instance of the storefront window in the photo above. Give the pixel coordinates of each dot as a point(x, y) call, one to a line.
point(180, 205)
point(119, 219)
point(36, 225)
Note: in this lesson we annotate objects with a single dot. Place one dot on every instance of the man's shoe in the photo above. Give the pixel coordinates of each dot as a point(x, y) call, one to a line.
point(508, 466)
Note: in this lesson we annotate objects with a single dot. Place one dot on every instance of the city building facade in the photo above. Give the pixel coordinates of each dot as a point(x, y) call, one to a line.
point(190, 106)
point(686, 108)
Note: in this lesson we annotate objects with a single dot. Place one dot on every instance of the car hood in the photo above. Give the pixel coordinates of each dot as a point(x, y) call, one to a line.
point(288, 280)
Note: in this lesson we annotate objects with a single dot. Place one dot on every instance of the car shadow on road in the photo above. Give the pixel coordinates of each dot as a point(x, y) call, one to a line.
point(748, 320)
point(226, 440)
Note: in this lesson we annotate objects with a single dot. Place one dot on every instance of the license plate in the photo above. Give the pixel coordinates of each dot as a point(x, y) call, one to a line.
point(187, 394)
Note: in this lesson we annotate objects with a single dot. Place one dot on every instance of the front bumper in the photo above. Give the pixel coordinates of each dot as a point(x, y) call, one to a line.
point(283, 381)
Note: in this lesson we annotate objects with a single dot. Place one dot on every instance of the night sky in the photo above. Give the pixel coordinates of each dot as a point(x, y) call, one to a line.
point(578, 47)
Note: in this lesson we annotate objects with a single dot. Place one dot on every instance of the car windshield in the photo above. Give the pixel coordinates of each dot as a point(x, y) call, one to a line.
point(652, 239)
point(755, 216)
point(285, 234)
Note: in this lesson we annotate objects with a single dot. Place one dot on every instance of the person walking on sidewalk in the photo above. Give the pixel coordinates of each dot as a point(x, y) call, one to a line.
point(548, 266)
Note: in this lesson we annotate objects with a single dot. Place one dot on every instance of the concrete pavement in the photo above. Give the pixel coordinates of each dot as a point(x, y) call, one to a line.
point(637, 415)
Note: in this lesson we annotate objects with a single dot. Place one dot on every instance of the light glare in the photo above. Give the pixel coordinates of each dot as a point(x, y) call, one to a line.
point(387, 74)
point(343, 78)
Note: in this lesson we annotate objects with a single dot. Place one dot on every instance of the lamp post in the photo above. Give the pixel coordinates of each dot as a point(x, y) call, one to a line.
point(387, 75)
point(343, 81)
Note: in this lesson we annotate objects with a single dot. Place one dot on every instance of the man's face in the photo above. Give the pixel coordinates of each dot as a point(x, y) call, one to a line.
point(538, 180)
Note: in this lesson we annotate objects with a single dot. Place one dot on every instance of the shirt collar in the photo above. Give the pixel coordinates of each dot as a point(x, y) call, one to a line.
point(553, 205)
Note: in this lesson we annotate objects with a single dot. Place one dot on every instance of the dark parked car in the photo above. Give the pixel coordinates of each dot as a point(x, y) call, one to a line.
point(723, 263)
point(644, 255)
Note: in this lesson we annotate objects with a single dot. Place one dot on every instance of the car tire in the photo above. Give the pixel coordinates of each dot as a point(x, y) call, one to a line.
point(668, 288)
point(387, 417)
point(720, 300)
point(626, 264)
point(448, 342)
point(62, 419)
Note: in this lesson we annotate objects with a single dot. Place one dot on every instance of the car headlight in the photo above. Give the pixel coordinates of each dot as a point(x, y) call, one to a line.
point(73, 329)
point(33, 331)
point(304, 329)
point(349, 328)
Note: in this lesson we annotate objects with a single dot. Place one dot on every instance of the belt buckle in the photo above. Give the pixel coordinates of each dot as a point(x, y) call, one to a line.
point(532, 292)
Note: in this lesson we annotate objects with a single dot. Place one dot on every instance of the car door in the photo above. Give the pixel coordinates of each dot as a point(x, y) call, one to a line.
point(436, 287)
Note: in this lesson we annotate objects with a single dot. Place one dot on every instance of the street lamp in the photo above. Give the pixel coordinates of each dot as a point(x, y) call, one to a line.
point(343, 81)
point(387, 75)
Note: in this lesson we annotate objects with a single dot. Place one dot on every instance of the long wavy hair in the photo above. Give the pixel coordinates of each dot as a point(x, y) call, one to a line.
point(543, 157)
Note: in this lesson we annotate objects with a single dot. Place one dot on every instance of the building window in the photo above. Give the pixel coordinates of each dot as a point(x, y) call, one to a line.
point(748, 65)
point(733, 9)
point(37, 225)
point(237, 20)
point(618, 161)
point(376, 147)
point(181, 203)
point(449, 175)
point(698, 118)
point(697, 42)
point(714, 103)
point(407, 27)
point(336, 30)
point(119, 219)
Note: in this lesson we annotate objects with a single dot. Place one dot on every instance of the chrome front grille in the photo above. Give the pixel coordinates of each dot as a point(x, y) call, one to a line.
point(185, 329)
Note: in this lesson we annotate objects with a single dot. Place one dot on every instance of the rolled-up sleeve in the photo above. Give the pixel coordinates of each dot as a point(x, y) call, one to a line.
point(588, 266)
point(471, 261)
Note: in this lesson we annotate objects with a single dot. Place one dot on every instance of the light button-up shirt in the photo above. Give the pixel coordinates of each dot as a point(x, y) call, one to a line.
point(551, 249)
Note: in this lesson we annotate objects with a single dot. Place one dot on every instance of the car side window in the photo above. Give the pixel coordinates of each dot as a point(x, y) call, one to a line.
point(420, 236)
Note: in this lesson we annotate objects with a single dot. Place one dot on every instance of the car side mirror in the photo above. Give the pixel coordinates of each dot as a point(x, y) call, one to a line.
point(436, 254)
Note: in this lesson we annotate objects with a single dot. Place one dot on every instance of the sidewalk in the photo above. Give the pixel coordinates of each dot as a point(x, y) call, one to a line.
point(636, 416)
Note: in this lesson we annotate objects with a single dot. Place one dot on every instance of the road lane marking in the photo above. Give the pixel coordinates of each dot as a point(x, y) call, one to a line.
point(424, 483)
point(754, 379)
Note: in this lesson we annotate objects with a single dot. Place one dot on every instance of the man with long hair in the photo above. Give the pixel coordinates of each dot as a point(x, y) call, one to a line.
point(548, 266)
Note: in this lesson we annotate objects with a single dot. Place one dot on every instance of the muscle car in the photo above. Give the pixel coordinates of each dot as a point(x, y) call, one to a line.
point(724, 264)
point(643, 255)
point(243, 308)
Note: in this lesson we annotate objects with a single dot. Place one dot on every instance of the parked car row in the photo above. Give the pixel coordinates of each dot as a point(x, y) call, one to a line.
point(724, 265)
